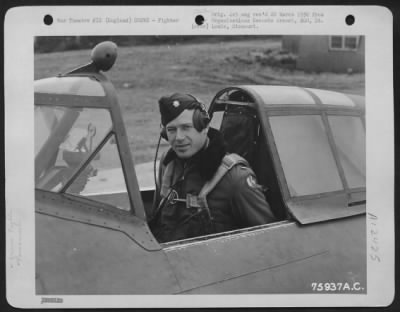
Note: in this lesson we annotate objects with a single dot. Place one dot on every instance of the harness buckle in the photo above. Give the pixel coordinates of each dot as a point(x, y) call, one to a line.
point(199, 202)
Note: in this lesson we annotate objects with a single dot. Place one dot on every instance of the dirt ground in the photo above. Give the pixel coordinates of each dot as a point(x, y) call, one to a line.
point(143, 74)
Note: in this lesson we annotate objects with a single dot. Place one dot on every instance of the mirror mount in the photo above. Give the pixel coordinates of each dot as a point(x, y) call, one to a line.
point(103, 58)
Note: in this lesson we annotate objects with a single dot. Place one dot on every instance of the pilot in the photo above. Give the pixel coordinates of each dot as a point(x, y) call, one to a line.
point(183, 208)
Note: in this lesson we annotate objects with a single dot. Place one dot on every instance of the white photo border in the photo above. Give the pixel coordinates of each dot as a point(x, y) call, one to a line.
point(21, 26)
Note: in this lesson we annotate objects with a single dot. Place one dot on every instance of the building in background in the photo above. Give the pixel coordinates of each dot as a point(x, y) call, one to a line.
point(340, 54)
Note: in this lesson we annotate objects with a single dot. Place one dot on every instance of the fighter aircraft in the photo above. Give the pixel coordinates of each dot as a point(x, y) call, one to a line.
point(306, 146)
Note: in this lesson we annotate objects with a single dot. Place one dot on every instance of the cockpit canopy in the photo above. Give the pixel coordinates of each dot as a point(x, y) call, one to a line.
point(304, 144)
point(75, 85)
point(80, 137)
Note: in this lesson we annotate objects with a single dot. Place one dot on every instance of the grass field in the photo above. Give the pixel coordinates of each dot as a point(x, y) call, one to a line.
point(143, 74)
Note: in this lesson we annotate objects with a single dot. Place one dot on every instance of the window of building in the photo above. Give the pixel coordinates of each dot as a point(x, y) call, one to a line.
point(344, 43)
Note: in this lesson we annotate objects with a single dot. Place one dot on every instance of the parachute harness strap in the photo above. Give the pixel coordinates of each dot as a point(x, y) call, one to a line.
point(200, 201)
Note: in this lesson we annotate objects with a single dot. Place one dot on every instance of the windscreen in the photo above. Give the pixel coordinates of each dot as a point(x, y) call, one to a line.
point(103, 178)
point(64, 139)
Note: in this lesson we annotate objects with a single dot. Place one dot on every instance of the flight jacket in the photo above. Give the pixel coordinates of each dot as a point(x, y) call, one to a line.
point(237, 201)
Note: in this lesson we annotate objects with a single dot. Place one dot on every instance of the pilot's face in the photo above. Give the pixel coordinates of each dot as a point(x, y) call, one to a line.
point(185, 140)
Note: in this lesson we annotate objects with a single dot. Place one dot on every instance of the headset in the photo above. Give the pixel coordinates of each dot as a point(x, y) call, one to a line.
point(201, 118)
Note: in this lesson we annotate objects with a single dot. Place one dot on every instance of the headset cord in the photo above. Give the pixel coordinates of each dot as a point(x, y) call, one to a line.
point(155, 172)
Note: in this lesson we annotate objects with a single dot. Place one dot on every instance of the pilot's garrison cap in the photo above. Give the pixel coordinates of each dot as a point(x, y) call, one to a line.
point(172, 106)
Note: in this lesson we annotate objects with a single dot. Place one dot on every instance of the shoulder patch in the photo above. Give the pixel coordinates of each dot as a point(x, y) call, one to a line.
point(251, 182)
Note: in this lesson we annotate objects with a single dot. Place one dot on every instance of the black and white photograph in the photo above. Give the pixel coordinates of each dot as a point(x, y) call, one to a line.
point(201, 164)
point(260, 171)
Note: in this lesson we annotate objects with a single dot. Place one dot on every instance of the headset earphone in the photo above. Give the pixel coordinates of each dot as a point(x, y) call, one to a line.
point(201, 118)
